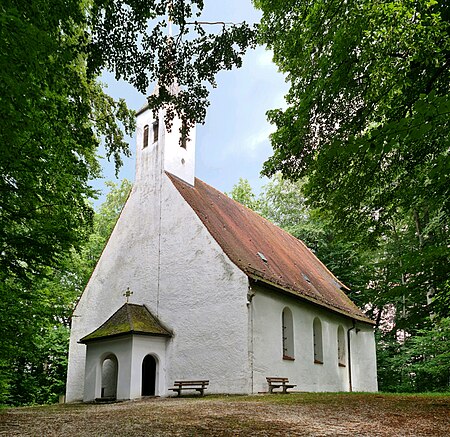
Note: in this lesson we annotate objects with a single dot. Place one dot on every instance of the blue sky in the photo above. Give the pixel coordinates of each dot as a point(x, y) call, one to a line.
point(233, 142)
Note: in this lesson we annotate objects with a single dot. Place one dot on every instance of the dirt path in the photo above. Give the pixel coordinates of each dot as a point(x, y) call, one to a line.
point(276, 415)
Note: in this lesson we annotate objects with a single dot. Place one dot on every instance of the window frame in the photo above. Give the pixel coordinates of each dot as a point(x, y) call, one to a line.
point(287, 334)
point(145, 136)
point(155, 129)
point(342, 356)
point(317, 341)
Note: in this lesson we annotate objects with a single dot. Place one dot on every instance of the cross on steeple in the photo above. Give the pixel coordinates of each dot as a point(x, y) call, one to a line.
point(127, 293)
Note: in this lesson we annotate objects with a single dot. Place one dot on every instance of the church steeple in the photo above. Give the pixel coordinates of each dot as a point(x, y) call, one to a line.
point(158, 150)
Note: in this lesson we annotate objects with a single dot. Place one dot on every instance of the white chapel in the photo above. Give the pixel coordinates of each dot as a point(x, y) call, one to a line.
point(212, 291)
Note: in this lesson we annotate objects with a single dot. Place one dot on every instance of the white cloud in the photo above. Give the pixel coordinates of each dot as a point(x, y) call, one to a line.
point(264, 57)
point(258, 139)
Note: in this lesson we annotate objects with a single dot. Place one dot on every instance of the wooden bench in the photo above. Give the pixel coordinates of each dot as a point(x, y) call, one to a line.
point(277, 382)
point(199, 386)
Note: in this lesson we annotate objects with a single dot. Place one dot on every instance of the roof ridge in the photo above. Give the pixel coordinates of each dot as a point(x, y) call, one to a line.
point(130, 319)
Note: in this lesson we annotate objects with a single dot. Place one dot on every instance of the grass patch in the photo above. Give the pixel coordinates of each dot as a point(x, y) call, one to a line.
point(322, 397)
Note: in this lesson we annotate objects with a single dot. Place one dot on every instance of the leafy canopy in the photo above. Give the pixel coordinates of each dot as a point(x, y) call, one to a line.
point(368, 110)
point(52, 115)
point(132, 38)
point(36, 317)
point(368, 122)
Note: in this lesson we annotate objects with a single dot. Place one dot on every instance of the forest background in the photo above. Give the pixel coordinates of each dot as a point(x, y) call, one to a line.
point(360, 169)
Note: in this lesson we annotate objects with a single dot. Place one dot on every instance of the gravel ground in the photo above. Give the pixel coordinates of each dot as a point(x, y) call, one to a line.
point(303, 414)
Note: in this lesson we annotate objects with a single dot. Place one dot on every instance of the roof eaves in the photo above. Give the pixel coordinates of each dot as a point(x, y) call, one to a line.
point(310, 299)
point(123, 334)
point(142, 110)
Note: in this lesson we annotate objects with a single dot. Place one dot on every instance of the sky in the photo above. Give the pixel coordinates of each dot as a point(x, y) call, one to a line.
point(234, 141)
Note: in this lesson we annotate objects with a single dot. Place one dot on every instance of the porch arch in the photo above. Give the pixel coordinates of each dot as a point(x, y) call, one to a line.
point(149, 375)
point(109, 374)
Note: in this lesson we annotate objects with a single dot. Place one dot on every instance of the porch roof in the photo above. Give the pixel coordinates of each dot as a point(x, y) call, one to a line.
point(129, 319)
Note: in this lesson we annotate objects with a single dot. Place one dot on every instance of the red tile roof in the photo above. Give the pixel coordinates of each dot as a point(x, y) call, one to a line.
point(264, 251)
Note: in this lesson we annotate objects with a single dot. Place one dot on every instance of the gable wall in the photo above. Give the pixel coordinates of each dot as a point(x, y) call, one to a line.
point(203, 294)
point(126, 261)
point(267, 307)
point(161, 250)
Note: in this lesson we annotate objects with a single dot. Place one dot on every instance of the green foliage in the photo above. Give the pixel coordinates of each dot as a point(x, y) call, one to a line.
point(417, 363)
point(367, 123)
point(35, 332)
point(52, 114)
point(35, 317)
point(242, 192)
point(283, 202)
point(131, 38)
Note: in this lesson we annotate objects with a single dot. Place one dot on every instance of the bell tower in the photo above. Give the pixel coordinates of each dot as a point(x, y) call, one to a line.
point(159, 150)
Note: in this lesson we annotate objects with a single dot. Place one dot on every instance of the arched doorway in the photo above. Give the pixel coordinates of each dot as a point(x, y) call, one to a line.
point(148, 376)
point(109, 377)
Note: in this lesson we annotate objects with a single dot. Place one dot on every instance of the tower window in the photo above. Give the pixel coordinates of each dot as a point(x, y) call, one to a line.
point(155, 130)
point(145, 142)
point(184, 134)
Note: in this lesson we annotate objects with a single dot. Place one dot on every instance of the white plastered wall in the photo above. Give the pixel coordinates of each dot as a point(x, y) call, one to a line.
point(203, 295)
point(128, 260)
point(179, 160)
point(130, 351)
point(160, 250)
point(143, 346)
point(364, 361)
point(96, 353)
point(266, 333)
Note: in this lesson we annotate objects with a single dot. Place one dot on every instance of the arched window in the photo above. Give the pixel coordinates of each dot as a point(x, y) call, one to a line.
point(145, 142)
point(109, 377)
point(317, 339)
point(155, 130)
point(184, 134)
point(341, 346)
point(287, 334)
